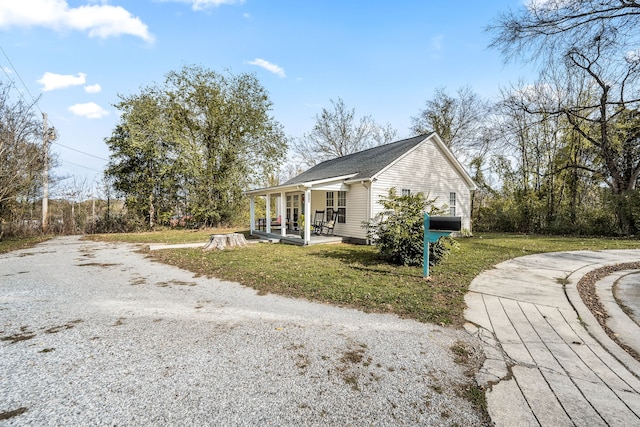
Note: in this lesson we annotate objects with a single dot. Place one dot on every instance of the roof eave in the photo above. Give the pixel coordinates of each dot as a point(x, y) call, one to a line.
point(448, 154)
point(297, 186)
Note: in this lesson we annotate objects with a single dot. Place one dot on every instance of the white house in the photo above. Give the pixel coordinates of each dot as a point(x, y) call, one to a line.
point(351, 186)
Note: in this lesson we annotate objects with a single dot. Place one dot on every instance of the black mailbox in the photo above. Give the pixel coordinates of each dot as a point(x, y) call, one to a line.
point(445, 223)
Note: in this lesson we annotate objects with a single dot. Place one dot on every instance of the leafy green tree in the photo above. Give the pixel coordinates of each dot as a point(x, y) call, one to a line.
point(142, 163)
point(227, 138)
point(398, 230)
point(194, 144)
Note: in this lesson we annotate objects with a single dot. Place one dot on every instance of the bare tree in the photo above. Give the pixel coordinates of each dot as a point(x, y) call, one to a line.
point(73, 193)
point(21, 153)
point(595, 45)
point(546, 28)
point(337, 133)
point(458, 120)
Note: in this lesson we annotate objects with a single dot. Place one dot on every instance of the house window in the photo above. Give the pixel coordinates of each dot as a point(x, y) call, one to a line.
point(342, 207)
point(289, 213)
point(330, 199)
point(296, 209)
point(406, 192)
point(452, 204)
point(330, 205)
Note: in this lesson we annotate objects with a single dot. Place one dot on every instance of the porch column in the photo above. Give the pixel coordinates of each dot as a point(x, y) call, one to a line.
point(252, 215)
point(268, 219)
point(307, 216)
point(283, 214)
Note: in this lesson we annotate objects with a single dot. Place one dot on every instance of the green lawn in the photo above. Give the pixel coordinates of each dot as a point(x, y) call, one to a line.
point(166, 236)
point(353, 276)
point(8, 245)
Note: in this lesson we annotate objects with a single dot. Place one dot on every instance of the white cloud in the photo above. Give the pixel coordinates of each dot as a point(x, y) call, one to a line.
point(633, 55)
point(52, 81)
point(206, 4)
point(541, 5)
point(93, 88)
point(437, 42)
point(90, 110)
point(273, 68)
point(98, 20)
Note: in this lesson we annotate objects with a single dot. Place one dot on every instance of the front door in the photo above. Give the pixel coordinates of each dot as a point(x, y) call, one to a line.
point(294, 203)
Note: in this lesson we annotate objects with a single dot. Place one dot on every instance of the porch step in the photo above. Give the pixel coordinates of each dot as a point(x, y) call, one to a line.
point(269, 240)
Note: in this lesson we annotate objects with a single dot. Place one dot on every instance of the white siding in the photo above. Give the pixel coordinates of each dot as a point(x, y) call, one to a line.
point(426, 170)
point(318, 202)
point(356, 209)
point(356, 213)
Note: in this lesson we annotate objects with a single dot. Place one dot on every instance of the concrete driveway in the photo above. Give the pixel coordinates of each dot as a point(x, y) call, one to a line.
point(549, 362)
point(97, 334)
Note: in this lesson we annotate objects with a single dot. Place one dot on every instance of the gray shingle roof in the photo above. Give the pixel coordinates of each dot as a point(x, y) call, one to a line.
point(365, 164)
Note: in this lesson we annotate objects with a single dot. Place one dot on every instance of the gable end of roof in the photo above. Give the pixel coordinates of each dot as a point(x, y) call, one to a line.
point(364, 164)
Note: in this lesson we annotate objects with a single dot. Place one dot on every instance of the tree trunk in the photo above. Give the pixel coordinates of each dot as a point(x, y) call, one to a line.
point(152, 211)
point(222, 241)
point(623, 206)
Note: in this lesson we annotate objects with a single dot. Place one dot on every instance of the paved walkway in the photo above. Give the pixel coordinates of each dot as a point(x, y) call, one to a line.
point(548, 362)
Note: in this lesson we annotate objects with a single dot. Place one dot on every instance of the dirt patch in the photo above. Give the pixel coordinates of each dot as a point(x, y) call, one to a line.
point(25, 334)
point(97, 264)
point(67, 325)
point(587, 290)
point(13, 274)
point(21, 336)
point(174, 283)
point(139, 280)
point(351, 365)
point(472, 358)
point(302, 362)
point(25, 254)
point(11, 414)
point(353, 356)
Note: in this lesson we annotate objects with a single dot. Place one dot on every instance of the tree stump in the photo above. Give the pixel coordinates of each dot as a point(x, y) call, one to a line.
point(221, 241)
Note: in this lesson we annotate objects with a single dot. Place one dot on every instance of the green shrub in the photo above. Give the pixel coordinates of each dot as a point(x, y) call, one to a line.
point(398, 231)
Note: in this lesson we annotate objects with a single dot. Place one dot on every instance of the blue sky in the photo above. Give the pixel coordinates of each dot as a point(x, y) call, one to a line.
point(383, 58)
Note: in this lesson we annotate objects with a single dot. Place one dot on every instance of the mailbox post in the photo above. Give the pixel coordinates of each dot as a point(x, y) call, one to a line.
point(436, 227)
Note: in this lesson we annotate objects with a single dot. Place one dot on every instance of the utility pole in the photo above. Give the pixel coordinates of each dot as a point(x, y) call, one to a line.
point(93, 207)
point(45, 176)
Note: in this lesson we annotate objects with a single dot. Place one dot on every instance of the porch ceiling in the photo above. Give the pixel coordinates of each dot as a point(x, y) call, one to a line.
point(328, 184)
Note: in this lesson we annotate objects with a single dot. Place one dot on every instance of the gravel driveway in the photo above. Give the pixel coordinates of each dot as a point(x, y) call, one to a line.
point(96, 334)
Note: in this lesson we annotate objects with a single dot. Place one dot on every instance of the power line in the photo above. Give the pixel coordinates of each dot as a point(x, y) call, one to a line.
point(35, 103)
point(80, 166)
point(15, 70)
point(81, 152)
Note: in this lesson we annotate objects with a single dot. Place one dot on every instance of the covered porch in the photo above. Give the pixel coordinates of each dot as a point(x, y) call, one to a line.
point(295, 239)
point(290, 211)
